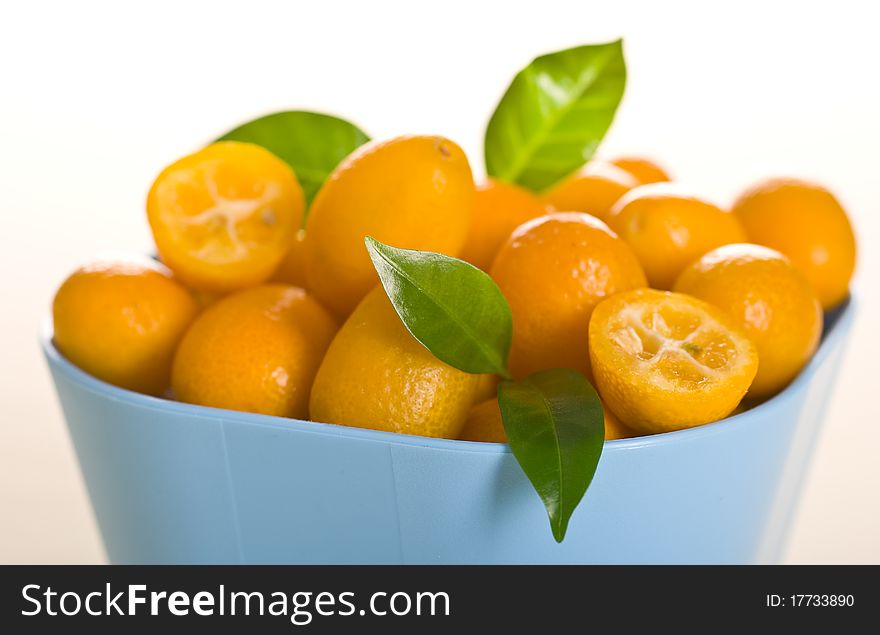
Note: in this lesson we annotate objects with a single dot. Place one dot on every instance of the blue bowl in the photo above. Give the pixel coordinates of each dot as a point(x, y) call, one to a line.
point(176, 483)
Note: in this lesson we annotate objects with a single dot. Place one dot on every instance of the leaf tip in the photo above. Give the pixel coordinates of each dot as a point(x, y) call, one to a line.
point(559, 527)
point(374, 251)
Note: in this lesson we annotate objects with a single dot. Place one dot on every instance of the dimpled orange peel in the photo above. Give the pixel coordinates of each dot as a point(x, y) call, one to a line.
point(377, 375)
point(553, 271)
point(121, 320)
point(256, 350)
point(771, 300)
point(412, 192)
point(668, 228)
point(808, 224)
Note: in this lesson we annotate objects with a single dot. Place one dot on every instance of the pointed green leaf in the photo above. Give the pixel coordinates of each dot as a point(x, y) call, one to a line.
point(455, 310)
point(554, 114)
point(556, 429)
point(312, 144)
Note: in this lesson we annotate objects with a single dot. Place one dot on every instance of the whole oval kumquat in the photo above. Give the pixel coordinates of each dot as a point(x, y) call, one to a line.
point(808, 224)
point(769, 299)
point(668, 228)
point(256, 351)
point(553, 271)
point(121, 321)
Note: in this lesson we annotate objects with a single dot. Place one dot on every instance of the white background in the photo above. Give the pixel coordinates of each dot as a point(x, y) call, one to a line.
point(96, 99)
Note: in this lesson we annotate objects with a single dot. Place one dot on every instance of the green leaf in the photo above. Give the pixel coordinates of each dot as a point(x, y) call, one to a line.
point(554, 114)
point(556, 429)
point(311, 143)
point(455, 310)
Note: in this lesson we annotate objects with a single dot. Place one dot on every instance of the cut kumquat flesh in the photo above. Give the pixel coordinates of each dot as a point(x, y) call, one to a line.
point(224, 217)
point(665, 361)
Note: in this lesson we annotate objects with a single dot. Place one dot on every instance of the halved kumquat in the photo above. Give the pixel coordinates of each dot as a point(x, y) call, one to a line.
point(666, 361)
point(224, 217)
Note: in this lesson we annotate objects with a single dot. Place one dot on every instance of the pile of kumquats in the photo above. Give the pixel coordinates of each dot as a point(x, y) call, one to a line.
point(305, 271)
